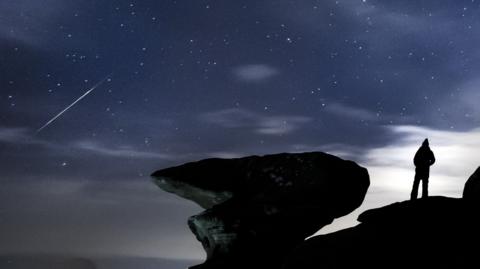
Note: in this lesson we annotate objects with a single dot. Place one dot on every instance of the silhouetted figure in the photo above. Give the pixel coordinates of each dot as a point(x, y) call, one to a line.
point(423, 159)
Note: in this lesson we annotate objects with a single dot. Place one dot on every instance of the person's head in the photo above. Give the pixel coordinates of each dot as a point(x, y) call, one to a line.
point(425, 142)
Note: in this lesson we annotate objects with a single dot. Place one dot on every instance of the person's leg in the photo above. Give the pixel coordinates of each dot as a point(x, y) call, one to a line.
point(425, 183)
point(425, 188)
point(416, 182)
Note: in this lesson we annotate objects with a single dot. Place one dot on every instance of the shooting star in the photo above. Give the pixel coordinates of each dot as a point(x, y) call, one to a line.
point(72, 104)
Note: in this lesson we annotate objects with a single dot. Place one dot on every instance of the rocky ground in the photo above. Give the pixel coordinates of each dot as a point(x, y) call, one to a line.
point(260, 209)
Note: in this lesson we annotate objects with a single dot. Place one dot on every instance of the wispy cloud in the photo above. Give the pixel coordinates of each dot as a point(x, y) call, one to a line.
point(226, 155)
point(460, 107)
point(399, 22)
point(280, 125)
point(230, 118)
point(258, 123)
point(21, 136)
point(25, 21)
point(121, 152)
point(352, 112)
point(254, 72)
point(24, 136)
point(13, 134)
point(365, 115)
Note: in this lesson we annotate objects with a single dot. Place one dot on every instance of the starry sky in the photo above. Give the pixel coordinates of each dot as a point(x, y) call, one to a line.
point(367, 80)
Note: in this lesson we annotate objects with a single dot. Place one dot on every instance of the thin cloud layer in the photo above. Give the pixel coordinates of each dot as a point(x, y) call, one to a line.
point(121, 152)
point(257, 123)
point(25, 21)
point(24, 136)
point(352, 112)
point(254, 72)
point(13, 135)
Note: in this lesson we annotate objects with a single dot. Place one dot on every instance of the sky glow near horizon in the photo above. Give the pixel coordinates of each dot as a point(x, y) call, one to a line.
point(392, 171)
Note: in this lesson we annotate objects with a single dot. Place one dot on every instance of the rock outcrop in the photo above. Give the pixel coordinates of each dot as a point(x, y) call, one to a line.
point(472, 187)
point(259, 208)
point(436, 232)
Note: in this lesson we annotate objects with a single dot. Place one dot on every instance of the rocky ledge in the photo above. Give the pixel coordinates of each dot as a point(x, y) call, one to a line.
point(258, 208)
point(436, 232)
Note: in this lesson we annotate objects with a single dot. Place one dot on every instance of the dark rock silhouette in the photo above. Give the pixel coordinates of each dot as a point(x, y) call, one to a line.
point(472, 187)
point(435, 232)
point(260, 208)
point(423, 159)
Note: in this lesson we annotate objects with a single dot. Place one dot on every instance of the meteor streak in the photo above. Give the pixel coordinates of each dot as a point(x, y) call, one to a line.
point(72, 104)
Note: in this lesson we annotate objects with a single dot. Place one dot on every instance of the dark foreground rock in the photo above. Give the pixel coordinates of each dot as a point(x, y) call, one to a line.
point(472, 187)
point(437, 232)
point(259, 208)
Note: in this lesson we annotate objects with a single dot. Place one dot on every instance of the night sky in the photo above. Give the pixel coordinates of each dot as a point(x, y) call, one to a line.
point(367, 80)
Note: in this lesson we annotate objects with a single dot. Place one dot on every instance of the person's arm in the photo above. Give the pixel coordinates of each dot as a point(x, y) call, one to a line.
point(432, 159)
point(416, 158)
